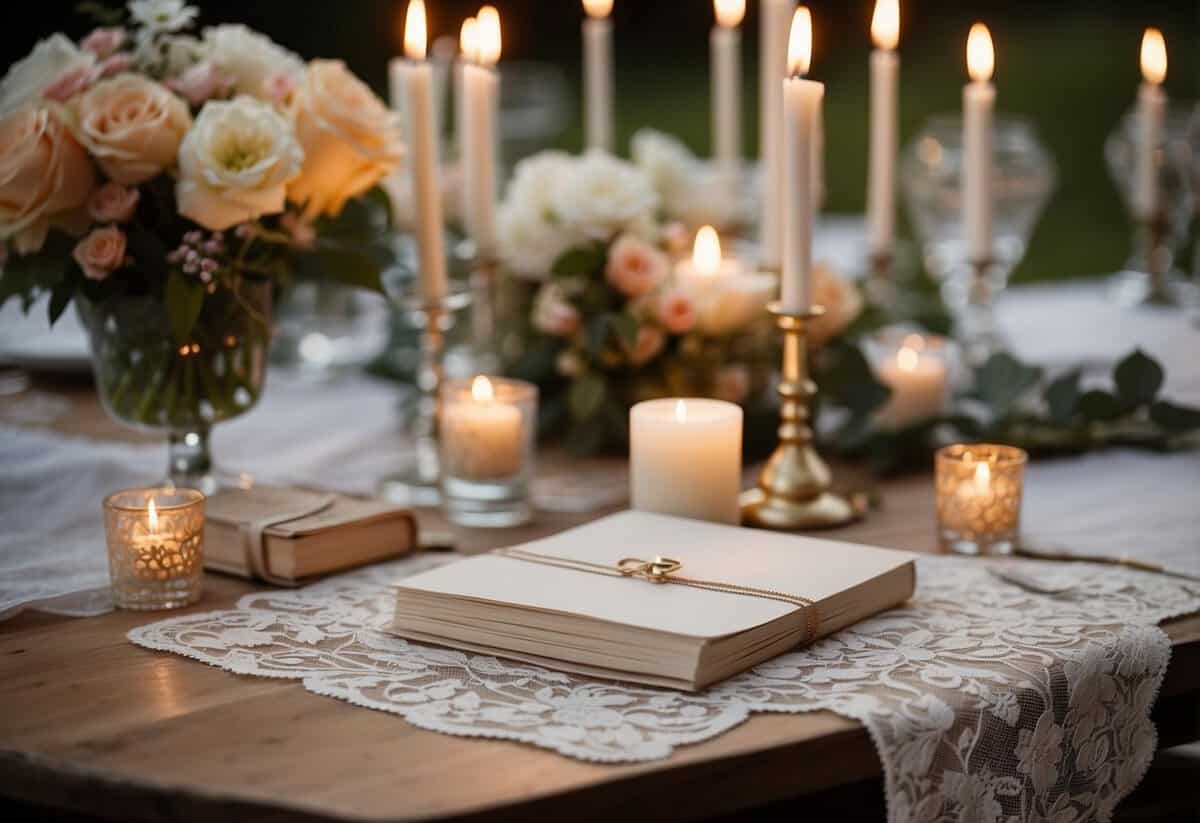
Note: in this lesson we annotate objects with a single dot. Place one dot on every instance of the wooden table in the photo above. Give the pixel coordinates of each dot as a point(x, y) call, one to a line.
point(92, 724)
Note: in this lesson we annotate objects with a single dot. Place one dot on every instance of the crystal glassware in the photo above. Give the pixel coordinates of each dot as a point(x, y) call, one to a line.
point(1150, 275)
point(487, 432)
point(978, 497)
point(149, 380)
point(1023, 178)
point(325, 327)
point(155, 547)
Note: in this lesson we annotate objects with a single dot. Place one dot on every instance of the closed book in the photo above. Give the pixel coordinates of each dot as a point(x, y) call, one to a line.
point(652, 599)
point(285, 535)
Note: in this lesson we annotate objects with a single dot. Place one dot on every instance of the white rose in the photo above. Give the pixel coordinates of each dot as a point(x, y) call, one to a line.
point(689, 189)
point(250, 60)
point(50, 59)
point(605, 196)
point(529, 243)
point(235, 163)
point(536, 181)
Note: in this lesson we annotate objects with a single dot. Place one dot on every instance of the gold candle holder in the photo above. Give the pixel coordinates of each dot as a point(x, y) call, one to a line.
point(793, 491)
point(155, 547)
point(978, 490)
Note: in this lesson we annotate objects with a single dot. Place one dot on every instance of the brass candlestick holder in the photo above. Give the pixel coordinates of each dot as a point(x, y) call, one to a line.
point(793, 491)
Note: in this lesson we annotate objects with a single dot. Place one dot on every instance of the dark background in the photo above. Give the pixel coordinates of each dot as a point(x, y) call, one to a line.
point(1069, 65)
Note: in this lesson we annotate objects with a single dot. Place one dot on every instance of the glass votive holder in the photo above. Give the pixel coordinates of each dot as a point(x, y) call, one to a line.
point(918, 369)
point(978, 488)
point(155, 547)
point(487, 432)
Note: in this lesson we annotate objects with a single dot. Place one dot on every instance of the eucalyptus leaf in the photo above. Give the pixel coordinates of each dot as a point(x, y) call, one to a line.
point(1139, 378)
point(586, 396)
point(1175, 419)
point(626, 328)
point(1003, 380)
point(1099, 406)
point(1062, 397)
point(595, 334)
point(184, 298)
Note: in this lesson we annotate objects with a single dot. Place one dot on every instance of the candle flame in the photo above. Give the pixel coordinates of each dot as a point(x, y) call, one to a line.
point(466, 40)
point(706, 253)
point(885, 24)
point(153, 517)
point(729, 12)
point(1154, 57)
point(983, 476)
point(680, 411)
point(482, 391)
point(800, 42)
point(415, 30)
point(598, 9)
point(907, 359)
point(915, 342)
point(487, 36)
point(981, 57)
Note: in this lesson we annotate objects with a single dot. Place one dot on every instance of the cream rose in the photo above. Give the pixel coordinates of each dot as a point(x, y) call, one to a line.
point(351, 140)
point(132, 126)
point(101, 253)
point(44, 175)
point(235, 163)
point(50, 59)
point(252, 62)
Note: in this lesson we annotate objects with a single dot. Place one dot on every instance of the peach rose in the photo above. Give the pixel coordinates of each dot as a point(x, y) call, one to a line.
point(351, 139)
point(677, 312)
point(634, 266)
point(44, 175)
point(841, 299)
point(649, 344)
point(113, 203)
point(101, 253)
point(132, 126)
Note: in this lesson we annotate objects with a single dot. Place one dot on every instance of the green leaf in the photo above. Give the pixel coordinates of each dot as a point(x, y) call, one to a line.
point(582, 260)
point(1003, 380)
point(1062, 397)
point(626, 329)
point(352, 269)
point(586, 396)
point(185, 298)
point(595, 334)
point(1138, 378)
point(60, 298)
point(1099, 406)
point(1175, 419)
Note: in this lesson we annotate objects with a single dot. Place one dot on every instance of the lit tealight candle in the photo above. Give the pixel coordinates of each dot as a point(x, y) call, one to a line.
point(707, 265)
point(728, 297)
point(979, 104)
point(481, 435)
point(1151, 117)
point(155, 547)
point(686, 458)
point(979, 489)
point(598, 74)
point(918, 376)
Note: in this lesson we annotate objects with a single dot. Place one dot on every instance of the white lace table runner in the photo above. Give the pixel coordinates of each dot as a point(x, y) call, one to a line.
point(986, 702)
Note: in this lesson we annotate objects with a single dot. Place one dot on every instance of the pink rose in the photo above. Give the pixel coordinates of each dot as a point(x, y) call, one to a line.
point(116, 64)
point(101, 253)
point(553, 315)
point(676, 312)
point(132, 126)
point(634, 266)
point(650, 342)
point(45, 175)
point(732, 384)
point(199, 83)
point(280, 86)
point(103, 41)
point(70, 83)
point(113, 203)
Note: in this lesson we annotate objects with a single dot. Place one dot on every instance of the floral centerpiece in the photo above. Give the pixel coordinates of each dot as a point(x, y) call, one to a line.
point(605, 315)
point(164, 180)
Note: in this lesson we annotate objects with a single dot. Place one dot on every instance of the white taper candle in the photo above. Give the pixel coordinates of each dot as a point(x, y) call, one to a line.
point(979, 103)
point(884, 145)
point(775, 18)
point(1151, 121)
point(598, 75)
point(802, 101)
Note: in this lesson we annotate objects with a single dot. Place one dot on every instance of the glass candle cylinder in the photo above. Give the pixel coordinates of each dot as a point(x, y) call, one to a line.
point(979, 497)
point(488, 427)
point(155, 547)
point(917, 369)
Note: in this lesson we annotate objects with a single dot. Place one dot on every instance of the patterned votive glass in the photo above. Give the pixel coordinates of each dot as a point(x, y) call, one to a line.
point(978, 489)
point(487, 429)
point(155, 547)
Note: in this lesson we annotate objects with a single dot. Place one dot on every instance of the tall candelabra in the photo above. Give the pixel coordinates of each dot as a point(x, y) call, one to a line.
point(793, 491)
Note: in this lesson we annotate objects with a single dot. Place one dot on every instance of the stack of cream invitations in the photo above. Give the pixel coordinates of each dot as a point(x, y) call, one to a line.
point(652, 599)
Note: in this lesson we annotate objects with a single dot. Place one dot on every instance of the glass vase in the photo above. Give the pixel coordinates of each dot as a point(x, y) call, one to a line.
point(150, 381)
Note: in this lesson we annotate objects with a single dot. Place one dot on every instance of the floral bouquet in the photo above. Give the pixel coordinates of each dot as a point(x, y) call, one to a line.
point(165, 180)
point(608, 313)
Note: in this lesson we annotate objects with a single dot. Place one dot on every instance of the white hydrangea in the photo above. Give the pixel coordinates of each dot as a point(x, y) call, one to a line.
point(249, 59)
point(605, 196)
point(689, 189)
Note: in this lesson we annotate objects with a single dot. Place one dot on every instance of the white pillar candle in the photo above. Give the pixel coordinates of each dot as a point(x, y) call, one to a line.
point(482, 436)
point(802, 107)
point(598, 75)
point(424, 161)
point(884, 145)
point(918, 378)
point(775, 18)
point(979, 104)
point(481, 87)
point(726, 57)
point(686, 458)
point(1151, 120)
